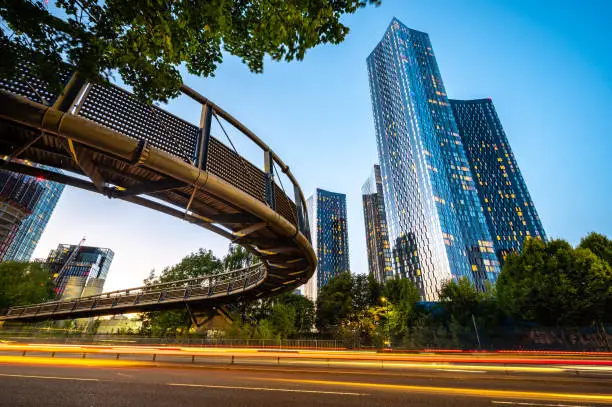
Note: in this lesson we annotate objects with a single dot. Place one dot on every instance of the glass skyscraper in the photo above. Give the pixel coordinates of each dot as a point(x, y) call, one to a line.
point(377, 238)
point(79, 264)
point(31, 228)
point(327, 213)
point(437, 230)
point(19, 195)
point(509, 211)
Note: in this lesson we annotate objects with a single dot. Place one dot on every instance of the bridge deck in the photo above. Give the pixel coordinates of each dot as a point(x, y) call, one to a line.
point(109, 143)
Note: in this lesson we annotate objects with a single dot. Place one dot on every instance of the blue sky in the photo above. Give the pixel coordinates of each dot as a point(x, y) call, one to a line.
point(547, 65)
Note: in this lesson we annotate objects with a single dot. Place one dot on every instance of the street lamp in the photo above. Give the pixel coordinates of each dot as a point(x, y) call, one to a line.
point(385, 302)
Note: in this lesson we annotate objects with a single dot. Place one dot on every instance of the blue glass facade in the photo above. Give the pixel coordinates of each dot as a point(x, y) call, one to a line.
point(19, 195)
point(31, 228)
point(88, 263)
point(377, 237)
point(327, 213)
point(510, 213)
point(437, 229)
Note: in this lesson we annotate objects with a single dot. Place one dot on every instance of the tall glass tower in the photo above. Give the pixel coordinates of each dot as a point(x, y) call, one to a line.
point(510, 213)
point(19, 196)
point(327, 212)
point(377, 237)
point(31, 228)
point(437, 230)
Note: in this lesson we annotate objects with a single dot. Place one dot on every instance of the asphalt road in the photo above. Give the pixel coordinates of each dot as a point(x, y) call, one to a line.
point(47, 382)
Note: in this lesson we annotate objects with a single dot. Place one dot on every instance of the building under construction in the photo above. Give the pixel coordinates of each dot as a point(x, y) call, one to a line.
point(79, 270)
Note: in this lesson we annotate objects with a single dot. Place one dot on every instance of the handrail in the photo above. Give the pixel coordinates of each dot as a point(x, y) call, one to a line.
point(236, 123)
point(155, 288)
point(138, 152)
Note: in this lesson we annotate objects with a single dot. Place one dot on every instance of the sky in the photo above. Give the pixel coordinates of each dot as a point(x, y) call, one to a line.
point(547, 65)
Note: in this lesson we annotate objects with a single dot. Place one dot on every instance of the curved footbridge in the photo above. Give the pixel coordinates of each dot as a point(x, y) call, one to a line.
point(105, 141)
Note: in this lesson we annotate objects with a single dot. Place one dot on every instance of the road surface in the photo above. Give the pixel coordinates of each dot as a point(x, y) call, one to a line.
point(62, 382)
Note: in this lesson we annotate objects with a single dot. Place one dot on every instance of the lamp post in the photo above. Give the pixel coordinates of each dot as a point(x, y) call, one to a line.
point(385, 302)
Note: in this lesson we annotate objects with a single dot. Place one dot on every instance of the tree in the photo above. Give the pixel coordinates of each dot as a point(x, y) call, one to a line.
point(334, 302)
point(145, 41)
point(554, 284)
point(461, 299)
point(600, 245)
point(365, 291)
point(304, 311)
point(199, 264)
point(236, 258)
point(400, 297)
point(23, 283)
point(174, 322)
point(282, 320)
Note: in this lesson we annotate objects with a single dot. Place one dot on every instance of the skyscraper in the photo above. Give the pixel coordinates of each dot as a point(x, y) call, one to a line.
point(509, 211)
point(327, 212)
point(19, 195)
point(437, 230)
point(377, 238)
point(33, 225)
point(79, 268)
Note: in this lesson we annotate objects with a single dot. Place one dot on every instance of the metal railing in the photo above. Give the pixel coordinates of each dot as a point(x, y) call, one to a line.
point(175, 291)
point(115, 108)
point(127, 149)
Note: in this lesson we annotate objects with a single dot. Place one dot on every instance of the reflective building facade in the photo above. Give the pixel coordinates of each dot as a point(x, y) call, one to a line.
point(79, 267)
point(19, 196)
point(31, 228)
point(327, 214)
point(377, 237)
point(509, 211)
point(437, 230)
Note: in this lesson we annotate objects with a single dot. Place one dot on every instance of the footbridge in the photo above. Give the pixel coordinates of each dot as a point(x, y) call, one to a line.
point(105, 141)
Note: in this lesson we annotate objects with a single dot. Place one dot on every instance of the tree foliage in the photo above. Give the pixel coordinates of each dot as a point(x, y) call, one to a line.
point(174, 322)
point(23, 283)
point(401, 296)
point(334, 302)
point(555, 284)
point(600, 245)
point(145, 41)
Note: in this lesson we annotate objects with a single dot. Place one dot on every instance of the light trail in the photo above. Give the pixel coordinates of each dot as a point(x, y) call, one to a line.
point(81, 379)
point(511, 394)
point(522, 403)
point(211, 386)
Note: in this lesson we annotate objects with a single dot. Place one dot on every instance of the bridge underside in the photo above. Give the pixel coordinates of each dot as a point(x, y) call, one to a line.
point(215, 196)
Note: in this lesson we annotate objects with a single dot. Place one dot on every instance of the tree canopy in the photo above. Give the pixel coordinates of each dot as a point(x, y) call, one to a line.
point(146, 41)
point(23, 283)
point(600, 245)
point(555, 284)
point(201, 263)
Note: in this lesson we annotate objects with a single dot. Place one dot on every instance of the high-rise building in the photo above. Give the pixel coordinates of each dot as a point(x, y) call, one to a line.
point(377, 238)
point(328, 228)
point(78, 268)
point(19, 195)
point(437, 230)
point(509, 211)
point(33, 225)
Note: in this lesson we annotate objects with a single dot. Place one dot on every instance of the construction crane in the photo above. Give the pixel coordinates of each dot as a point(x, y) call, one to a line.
point(71, 257)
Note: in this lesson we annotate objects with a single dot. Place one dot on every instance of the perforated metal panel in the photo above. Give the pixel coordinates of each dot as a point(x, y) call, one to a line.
point(25, 83)
point(229, 166)
point(118, 110)
point(284, 205)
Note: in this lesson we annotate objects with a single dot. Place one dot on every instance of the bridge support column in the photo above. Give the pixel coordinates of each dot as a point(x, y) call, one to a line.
point(269, 172)
point(301, 217)
point(205, 123)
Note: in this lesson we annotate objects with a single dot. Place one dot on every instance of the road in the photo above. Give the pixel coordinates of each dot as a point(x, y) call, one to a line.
point(43, 381)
